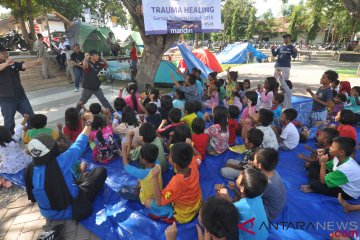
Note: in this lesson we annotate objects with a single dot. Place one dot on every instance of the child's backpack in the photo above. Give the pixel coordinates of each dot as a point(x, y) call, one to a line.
point(105, 152)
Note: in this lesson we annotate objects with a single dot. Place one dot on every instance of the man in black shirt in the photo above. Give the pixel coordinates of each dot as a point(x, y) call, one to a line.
point(77, 58)
point(12, 95)
point(92, 65)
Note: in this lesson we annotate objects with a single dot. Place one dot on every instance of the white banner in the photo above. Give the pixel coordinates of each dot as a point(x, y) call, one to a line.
point(181, 16)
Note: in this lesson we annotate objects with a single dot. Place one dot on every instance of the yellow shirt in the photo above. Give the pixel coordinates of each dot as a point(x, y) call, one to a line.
point(188, 119)
point(147, 188)
point(32, 133)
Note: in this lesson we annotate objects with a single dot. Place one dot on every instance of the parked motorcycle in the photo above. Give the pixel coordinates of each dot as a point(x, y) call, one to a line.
point(13, 41)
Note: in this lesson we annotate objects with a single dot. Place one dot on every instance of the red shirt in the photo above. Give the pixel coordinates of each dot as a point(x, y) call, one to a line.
point(133, 54)
point(347, 131)
point(73, 134)
point(200, 142)
point(233, 125)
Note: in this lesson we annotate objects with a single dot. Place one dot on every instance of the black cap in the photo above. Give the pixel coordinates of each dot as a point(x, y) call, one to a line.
point(93, 52)
point(287, 36)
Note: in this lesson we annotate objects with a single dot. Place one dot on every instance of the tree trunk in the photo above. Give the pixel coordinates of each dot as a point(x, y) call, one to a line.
point(352, 7)
point(154, 46)
point(67, 22)
point(20, 17)
point(31, 23)
point(196, 41)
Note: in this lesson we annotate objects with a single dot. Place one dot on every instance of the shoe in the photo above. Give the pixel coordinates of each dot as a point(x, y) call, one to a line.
point(54, 233)
point(76, 90)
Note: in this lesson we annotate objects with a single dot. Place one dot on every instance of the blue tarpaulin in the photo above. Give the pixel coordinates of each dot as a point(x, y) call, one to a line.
point(236, 54)
point(306, 215)
point(193, 62)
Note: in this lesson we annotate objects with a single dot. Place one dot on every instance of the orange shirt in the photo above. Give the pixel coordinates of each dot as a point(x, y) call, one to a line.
point(184, 193)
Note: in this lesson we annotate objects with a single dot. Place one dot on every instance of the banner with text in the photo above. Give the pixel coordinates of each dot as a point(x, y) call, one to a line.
point(181, 16)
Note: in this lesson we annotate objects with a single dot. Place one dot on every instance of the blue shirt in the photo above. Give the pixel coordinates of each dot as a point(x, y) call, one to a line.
point(248, 209)
point(323, 95)
point(277, 113)
point(139, 173)
point(284, 54)
point(66, 161)
point(200, 88)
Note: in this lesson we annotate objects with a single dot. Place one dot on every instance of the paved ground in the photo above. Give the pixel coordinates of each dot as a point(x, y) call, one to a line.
point(22, 220)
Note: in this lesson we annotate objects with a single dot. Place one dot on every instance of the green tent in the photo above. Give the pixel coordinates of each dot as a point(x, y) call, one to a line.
point(163, 74)
point(133, 37)
point(89, 37)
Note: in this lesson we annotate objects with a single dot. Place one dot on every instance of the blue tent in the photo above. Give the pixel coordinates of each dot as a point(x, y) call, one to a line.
point(193, 62)
point(163, 74)
point(236, 54)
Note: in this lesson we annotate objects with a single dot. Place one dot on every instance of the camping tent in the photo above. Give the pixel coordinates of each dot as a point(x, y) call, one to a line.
point(133, 37)
point(207, 58)
point(193, 62)
point(163, 74)
point(236, 54)
point(88, 36)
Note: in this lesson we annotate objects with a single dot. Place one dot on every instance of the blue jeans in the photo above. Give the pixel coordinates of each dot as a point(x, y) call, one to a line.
point(9, 109)
point(78, 76)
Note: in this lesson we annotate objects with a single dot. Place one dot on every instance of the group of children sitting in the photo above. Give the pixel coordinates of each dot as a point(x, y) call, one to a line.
point(156, 133)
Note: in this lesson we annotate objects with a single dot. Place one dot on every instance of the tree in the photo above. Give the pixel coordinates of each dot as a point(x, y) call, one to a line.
point(265, 24)
point(297, 21)
point(250, 30)
point(154, 45)
point(236, 25)
point(107, 8)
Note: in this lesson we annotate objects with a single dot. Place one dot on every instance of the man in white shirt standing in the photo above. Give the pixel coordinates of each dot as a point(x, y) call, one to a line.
point(61, 58)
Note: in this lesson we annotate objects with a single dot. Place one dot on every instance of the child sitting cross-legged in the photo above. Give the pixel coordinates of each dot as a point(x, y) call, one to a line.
point(38, 123)
point(190, 113)
point(233, 124)
point(339, 175)
point(174, 117)
point(199, 138)
point(289, 138)
point(183, 190)
point(218, 132)
point(253, 140)
point(250, 185)
point(128, 124)
point(274, 196)
point(147, 133)
point(263, 120)
point(144, 191)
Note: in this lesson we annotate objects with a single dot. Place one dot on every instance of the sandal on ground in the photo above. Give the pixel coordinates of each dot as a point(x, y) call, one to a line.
point(54, 233)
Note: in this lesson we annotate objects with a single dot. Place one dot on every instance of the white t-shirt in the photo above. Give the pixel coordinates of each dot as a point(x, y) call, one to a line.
point(290, 135)
point(270, 140)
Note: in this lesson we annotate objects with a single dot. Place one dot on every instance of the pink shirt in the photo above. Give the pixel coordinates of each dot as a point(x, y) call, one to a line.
point(213, 101)
point(245, 113)
point(218, 140)
point(266, 100)
point(106, 132)
point(129, 102)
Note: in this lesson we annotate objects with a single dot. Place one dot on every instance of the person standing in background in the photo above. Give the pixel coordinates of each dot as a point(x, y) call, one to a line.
point(77, 58)
point(134, 61)
point(284, 54)
point(40, 48)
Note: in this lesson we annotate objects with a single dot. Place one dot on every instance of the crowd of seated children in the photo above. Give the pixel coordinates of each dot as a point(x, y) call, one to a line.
point(267, 93)
point(336, 172)
point(289, 136)
point(253, 140)
point(73, 124)
point(218, 132)
point(278, 99)
point(345, 118)
point(152, 116)
point(354, 100)
point(263, 120)
point(189, 114)
point(246, 119)
point(174, 117)
point(38, 124)
point(233, 124)
point(199, 138)
point(339, 103)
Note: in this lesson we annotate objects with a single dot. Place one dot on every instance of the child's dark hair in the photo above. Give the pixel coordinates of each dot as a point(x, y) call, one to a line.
point(181, 94)
point(38, 121)
point(148, 132)
point(331, 133)
point(220, 218)
point(151, 108)
point(248, 81)
point(341, 96)
point(290, 114)
point(346, 144)
point(95, 108)
point(220, 117)
point(197, 106)
point(129, 116)
point(149, 152)
point(166, 102)
point(279, 98)
point(233, 75)
point(289, 84)
point(336, 82)
point(334, 92)
point(271, 84)
point(181, 133)
point(213, 75)
point(234, 111)
point(266, 117)
point(192, 79)
point(267, 157)
point(131, 89)
point(241, 86)
point(189, 107)
point(219, 83)
point(254, 182)
point(174, 115)
point(198, 125)
point(98, 122)
point(252, 96)
point(72, 118)
point(156, 93)
point(255, 136)
point(332, 75)
point(5, 136)
point(119, 104)
point(347, 117)
point(182, 154)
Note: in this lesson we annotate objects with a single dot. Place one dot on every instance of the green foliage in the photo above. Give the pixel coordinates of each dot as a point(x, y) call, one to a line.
point(107, 8)
point(236, 25)
point(251, 28)
point(297, 21)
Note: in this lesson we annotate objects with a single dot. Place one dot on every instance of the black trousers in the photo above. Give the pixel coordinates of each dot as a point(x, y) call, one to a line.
point(319, 187)
point(61, 58)
point(94, 182)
